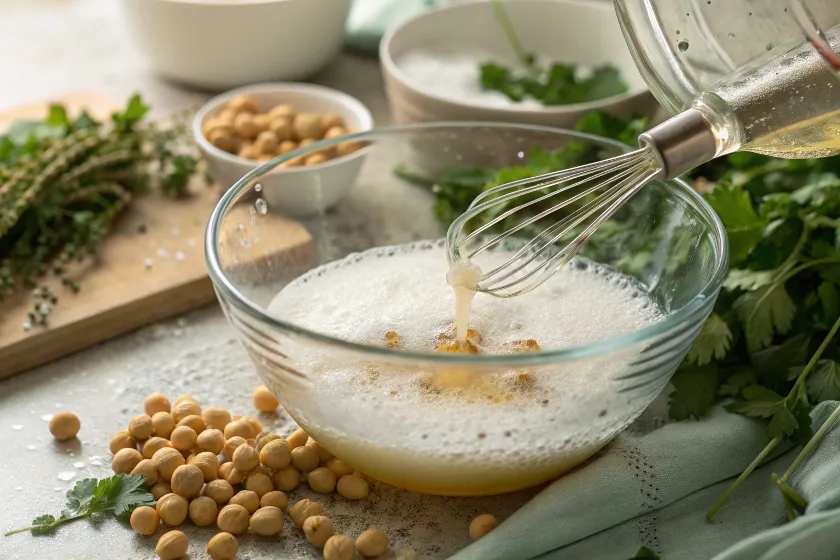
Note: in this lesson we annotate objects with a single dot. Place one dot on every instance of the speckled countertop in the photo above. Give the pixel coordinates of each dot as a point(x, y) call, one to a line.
point(52, 47)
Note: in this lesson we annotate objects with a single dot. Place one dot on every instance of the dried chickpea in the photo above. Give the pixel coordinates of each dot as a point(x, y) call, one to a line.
point(314, 159)
point(318, 529)
point(235, 476)
point(183, 438)
point(321, 480)
point(294, 162)
point(163, 423)
point(245, 458)
point(160, 490)
point(182, 398)
point(284, 111)
point(243, 102)
point(147, 468)
point(223, 546)
point(187, 481)
point(304, 459)
point(372, 543)
point(203, 511)
point(339, 467)
point(223, 141)
point(241, 428)
point(224, 470)
point(303, 510)
point(141, 427)
point(125, 460)
point(286, 146)
point(335, 132)
point(259, 483)
point(144, 520)
point(121, 440)
point(152, 445)
point(156, 402)
point(211, 440)
point(282, 129)
point(275, 498)
point(264, 400)
point(167, 460)
point(344, 148)
point(233, 519)
point(172, 545)
point(256, 427)
point(247, 499)
point(308, 125)
point(215, 418)
point(185, 408)
point(226, 117)
point(353, 487)
point(286, 479)
point(233, 443)
point(193, 421)
point(266, 142)
point(482, 525)
point(220, 491)
point(267, 521)
point(324, 455)
point(276, 454)
point(263, 470)
point(207, 463)
point(211, 124)
point(172, 509)
point(339, 547)
point(297, 438)
point(306, 142)
point(266, 438)
point(64, 426)
point(331, 120)
point(245, 125)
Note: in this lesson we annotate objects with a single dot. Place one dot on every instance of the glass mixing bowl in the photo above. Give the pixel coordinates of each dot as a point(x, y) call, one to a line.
point(667, 239)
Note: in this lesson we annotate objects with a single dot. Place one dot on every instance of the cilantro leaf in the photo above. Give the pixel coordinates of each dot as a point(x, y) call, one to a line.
point(712, 342)
point(695, 391)
point(745, 279)
point(760, 402)
point(645, 553)
point(744, 227)
point(824, 382)
point(763, 312)
point(90, 498)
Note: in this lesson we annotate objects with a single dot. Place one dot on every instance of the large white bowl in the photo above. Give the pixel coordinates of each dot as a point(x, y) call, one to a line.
point(298, 191)
point(220, 44)
point(568, 31)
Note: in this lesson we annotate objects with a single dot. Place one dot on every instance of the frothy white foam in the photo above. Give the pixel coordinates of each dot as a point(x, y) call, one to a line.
point(500, 422)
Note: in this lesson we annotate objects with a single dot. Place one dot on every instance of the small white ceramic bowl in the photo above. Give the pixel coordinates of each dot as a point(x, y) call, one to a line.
point(291, 189)
point(586, 33)
point(220, 44)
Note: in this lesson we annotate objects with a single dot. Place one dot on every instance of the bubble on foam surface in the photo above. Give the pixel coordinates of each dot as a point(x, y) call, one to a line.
point(557, 417)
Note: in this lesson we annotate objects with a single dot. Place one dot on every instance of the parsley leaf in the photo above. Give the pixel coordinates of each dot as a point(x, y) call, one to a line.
point(824, 381)
point(712, 342)
point(645, 553)
point(744, 227)
point(763, 312)
point(695, 391)
point(120, 495)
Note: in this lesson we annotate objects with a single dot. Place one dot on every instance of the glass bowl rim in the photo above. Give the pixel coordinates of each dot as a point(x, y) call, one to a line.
point(230, 293)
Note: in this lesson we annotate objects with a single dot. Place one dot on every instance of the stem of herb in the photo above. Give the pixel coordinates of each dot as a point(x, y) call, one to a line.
point(756, 462)
point(810, 366)
point(507, 26)
point(52, 525)
point(817, 437)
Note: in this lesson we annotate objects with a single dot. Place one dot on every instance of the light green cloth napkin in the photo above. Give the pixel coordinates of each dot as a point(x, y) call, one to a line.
point(370, 19)
point(654, 488)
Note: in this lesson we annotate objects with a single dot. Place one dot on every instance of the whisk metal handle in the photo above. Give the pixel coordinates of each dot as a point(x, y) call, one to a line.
point(681, 143)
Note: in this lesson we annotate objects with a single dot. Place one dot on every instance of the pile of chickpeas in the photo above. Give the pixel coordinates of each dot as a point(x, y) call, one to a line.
point(241, 129)
point(216, 468)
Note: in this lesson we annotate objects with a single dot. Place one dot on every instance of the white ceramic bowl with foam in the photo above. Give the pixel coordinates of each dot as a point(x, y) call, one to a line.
point(220, 44)
point(579, 32)
point(291, 188)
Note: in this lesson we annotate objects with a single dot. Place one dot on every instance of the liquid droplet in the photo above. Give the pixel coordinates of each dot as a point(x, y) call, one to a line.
point(258, 187)
point(730, 36)
point(67, 475)
point(31, 447)
point(261, 206)
point(683, 45)
point(46, 417)
point(17, 426)
point(78, 464)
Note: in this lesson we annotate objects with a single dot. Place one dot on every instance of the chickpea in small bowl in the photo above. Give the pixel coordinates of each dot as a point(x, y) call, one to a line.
point(240, 130)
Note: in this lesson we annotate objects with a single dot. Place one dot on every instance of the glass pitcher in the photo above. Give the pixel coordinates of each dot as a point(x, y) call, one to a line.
point(764, 74)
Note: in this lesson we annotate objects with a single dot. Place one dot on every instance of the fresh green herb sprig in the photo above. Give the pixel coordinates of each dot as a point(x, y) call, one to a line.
point(118, 495)
point(557, 84)
point(645, 553)
point(64, 180)
point(769, 347)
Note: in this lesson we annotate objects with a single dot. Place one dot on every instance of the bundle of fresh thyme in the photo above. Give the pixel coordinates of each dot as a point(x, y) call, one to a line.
point(63, 181)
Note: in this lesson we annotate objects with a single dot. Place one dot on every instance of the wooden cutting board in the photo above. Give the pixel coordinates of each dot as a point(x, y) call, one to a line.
point(121, 292)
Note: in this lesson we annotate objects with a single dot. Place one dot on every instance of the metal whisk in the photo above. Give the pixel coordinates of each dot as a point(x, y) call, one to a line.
point(597, 189)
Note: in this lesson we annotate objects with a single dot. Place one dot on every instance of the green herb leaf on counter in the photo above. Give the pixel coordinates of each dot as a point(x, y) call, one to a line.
point(63, 182)
point(557, 84)
point(645, 553)
point(118, 495)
